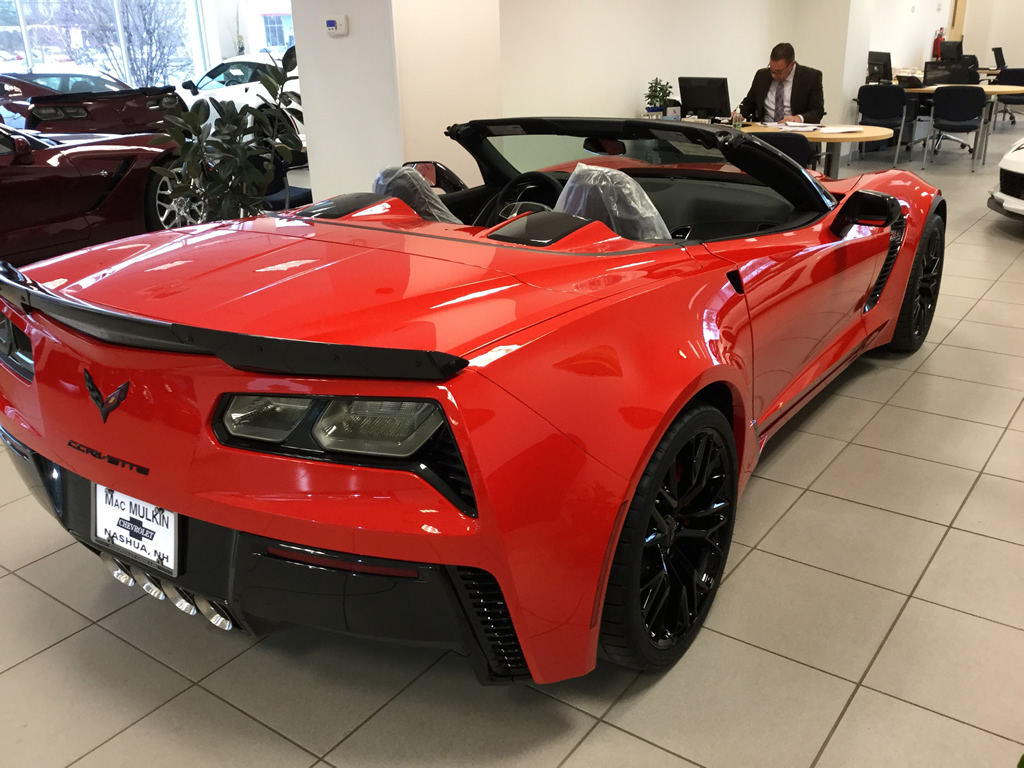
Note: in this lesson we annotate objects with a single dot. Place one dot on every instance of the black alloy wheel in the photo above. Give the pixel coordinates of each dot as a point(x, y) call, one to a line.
point(671, 555)
point(922, 292)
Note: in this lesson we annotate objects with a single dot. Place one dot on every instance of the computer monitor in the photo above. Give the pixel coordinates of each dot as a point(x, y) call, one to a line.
point(1000, 59)
point(944, 72)
point(879, 67)
point(704, 96)
point(951, 50)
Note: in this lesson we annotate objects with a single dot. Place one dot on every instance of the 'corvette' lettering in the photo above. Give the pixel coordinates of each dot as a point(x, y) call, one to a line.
point(108, 458)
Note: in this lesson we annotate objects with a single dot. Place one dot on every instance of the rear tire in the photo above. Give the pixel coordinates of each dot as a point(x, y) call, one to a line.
point(163, 212)
point(671, 554)
point(922, 293)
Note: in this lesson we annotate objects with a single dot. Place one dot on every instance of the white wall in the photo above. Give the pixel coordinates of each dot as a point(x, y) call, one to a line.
point(349, 93)
point(995, 23)
point(448, 54)
point(909, 28)
point(220, 19)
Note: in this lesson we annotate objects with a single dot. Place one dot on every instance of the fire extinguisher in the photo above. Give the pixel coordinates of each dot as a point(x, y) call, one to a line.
point(937, 42)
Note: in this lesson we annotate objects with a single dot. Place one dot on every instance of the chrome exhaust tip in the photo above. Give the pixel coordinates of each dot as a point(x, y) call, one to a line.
point(120, 571)
point(213, 614)
point(150, 585)
point(180, 601)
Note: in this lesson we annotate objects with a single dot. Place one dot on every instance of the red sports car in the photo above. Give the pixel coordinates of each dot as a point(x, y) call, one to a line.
point(513, 420)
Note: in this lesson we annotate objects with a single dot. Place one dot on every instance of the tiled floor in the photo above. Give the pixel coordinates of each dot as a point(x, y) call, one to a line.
point(873, 614)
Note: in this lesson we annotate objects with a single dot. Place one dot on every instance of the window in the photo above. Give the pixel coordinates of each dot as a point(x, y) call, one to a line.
point(229, 73)
point(273, 26)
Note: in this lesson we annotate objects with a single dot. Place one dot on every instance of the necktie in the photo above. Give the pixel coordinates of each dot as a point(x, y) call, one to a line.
point(780, 93)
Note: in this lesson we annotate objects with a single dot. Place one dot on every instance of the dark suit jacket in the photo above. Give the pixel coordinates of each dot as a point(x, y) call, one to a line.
point(807, 99)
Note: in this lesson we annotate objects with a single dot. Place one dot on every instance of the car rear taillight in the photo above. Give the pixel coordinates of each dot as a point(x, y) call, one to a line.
point(59, 113)
point(165, 102)
point(16, 349)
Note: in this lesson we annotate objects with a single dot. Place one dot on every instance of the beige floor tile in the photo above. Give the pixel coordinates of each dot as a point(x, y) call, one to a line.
point(796, 458)
point(928, 436)
point(972, 269)
point(997, 313)
point(959, 399)
point(995, 508)
point(11, 486)
point(1008, 459)
point(510, 726)
point(1018, 421)
point(977, 575)
point(976, 365)
point(883, 732)
point(967, 668)
point(78, 578)
point(902, 360)
point(835, 416)
point(608, 747)
point(189, 645)
point(38, 622)
point(830, 622)
point(966, 287)
point(898, 483)
point(27, 533)
point(1015, 273)
point(1007, 292)
point(104, 682)
point(596, 692)
point(940, 328)
point(868, 382)
point(197, 729)
point(315, 687)
point(861, 542)
point(954, 307)
point(737, 552)
point(727, 704)
point(990, 338)
point(762, 504)
point(995, 234)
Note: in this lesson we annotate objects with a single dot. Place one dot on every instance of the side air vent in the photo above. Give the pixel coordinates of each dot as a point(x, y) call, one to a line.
point(1011, 183)
point(896, 233)
point(443, 457)
point(16, 349)
point(492, 622)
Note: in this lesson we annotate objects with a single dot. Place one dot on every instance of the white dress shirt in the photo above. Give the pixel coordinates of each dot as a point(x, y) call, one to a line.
point(787, 97)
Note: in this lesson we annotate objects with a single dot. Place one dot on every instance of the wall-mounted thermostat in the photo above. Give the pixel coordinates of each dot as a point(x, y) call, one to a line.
point(337, 27)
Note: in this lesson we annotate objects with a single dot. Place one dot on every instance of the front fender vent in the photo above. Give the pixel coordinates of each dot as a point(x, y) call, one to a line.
point(896, 233)
point(492, 622)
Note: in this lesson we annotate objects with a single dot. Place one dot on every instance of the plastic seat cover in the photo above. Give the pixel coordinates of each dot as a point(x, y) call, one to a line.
point(411, 188)
point(612, 197)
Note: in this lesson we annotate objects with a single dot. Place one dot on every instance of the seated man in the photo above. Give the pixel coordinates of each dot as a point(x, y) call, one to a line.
point(785, 92)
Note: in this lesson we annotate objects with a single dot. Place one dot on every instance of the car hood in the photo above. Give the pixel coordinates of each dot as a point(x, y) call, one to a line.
point(226, 278)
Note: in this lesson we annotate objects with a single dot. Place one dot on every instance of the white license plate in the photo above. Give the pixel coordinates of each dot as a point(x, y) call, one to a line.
point(141, 529)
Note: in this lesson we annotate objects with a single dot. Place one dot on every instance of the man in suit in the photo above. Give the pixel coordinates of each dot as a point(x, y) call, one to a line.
point(785, 92)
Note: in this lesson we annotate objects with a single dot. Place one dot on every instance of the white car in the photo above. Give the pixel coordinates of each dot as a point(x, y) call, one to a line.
point(238, 80)
point(1008, 197)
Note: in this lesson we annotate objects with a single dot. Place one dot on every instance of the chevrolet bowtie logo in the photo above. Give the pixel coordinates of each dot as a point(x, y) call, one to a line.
point(110, 402)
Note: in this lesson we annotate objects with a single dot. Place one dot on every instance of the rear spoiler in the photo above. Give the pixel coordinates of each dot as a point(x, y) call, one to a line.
point(241, 351)
point(79, 96)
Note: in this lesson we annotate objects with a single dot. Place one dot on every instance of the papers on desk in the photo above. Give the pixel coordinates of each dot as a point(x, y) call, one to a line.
point(842, 129)
point(799, 127)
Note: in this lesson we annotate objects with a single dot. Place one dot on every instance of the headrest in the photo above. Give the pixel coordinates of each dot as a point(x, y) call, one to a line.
point(612, 197)
point(406, 183)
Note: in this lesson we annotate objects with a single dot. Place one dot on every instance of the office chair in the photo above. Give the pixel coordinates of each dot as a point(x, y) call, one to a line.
point(792, 144)
point(280, 194)
point(1000, 59)
point(956, 109)
point(885, 106)
point(1010, 77)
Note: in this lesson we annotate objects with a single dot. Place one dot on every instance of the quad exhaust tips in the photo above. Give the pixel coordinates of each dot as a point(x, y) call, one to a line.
point(180, 600)
point(214, 614)
point(120, 571)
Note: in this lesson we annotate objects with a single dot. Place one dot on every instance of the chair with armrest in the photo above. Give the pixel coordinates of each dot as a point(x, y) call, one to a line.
point(792, 144)
point(885, 106)
point(1013, 76)
point(956, 109)
point(281, 195)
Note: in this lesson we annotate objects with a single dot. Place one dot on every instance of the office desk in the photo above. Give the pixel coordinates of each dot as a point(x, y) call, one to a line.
point(831, 140)
point(993, 92)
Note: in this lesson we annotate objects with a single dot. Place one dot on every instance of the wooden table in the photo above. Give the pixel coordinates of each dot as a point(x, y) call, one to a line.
point(993, 92)
point(832, 141)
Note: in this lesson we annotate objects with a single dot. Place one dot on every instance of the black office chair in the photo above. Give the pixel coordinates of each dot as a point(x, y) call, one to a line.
point(1010, 77)
point(281, 195)
point(1000, 59)
point(956, 109)
point(792, 144)
point(885, 106)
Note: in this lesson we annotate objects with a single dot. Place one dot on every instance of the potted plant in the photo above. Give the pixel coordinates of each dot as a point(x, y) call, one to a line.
point(222, 170)
point(658, 92)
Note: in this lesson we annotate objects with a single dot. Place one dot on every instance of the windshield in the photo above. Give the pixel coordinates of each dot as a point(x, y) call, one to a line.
point(229, 73)
point(74, 83)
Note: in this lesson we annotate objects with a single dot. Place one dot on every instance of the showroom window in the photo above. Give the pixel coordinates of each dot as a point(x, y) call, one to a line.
point(278, 31)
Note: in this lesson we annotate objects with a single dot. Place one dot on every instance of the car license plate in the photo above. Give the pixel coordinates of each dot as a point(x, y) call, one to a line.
point(138, 528)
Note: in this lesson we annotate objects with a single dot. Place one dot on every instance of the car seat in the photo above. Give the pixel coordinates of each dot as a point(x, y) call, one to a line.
point(411, 188)
point(615, 199)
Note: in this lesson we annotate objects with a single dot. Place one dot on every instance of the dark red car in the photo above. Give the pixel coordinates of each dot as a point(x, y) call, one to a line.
point(56, 196)
point(513, 420)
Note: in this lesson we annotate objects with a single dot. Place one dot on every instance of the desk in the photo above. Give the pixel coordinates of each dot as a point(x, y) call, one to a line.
point(993, 92)
point(831, 140)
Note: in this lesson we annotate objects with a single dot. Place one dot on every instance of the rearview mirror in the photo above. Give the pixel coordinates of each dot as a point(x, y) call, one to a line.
point(866, 208)
point(22, 151)
point(598, 146)
point(190, 84)
point(438, 175)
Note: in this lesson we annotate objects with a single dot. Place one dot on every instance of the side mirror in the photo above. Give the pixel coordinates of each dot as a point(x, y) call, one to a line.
point(866, 208)
point(190, 84)
point(22, 151)
point(438, 175)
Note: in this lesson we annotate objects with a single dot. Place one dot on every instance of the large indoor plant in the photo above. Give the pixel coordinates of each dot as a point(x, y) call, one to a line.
point(222, 169)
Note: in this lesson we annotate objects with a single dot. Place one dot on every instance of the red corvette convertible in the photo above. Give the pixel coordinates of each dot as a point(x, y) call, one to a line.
point(513, 420)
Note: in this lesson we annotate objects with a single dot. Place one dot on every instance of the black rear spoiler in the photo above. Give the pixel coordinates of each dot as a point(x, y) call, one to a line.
point(244, 352)
point(78, 96)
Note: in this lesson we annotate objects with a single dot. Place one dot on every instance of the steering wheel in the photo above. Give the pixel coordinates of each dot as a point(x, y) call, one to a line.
point(508, 202)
